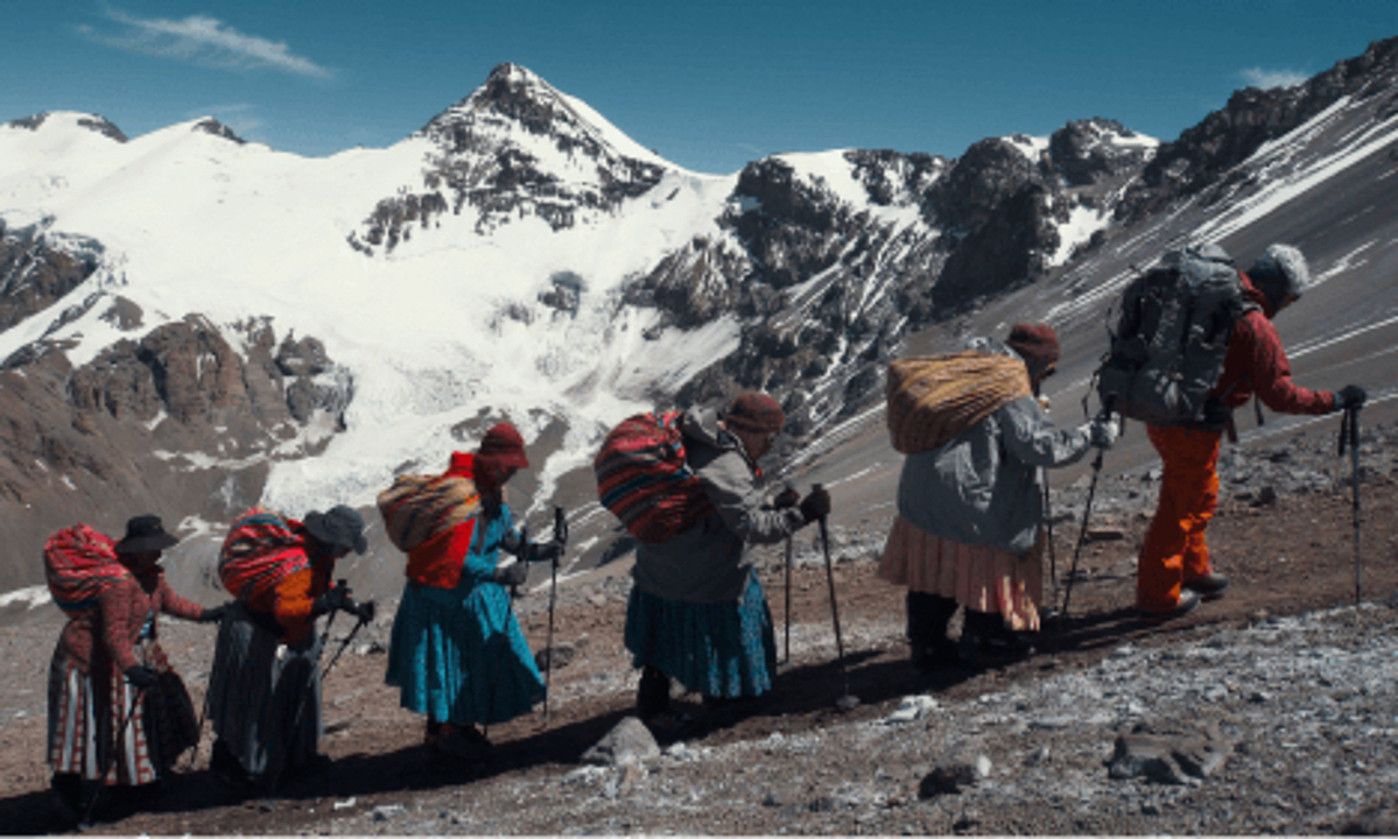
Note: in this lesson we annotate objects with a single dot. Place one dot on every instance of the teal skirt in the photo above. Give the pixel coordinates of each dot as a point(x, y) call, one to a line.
point(716, 649)
point(459, 656)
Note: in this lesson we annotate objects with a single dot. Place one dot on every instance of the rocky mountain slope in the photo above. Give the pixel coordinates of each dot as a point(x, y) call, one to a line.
point(186, 316)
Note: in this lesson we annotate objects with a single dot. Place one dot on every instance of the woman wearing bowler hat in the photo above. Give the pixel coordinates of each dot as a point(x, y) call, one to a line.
point(108, 658)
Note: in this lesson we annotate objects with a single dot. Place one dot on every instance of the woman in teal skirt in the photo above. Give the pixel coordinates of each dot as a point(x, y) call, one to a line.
point(697, 613)
point(457, 653)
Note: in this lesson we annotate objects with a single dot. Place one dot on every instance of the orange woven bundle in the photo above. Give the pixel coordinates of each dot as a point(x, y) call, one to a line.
point(933, 399)
point(418, 507)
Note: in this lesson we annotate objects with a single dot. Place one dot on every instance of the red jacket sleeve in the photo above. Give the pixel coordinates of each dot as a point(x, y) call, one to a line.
point(173, 604)
point(115, 608)
point(1265, 359)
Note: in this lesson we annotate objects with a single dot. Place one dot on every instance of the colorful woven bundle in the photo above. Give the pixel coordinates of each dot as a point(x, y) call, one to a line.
point(419, 507)
point(261, 549)
point(81, 564)
point(644, 478)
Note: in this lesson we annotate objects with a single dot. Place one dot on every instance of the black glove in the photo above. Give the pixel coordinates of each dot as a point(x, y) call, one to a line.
point(788, 497)
point(513, 543)
point(512, 575)
point(1350, 396)
point(141, 676)
point(214, 614)
point(542, 552)
point(364, 611)
point(336, 598)
point(815, 505)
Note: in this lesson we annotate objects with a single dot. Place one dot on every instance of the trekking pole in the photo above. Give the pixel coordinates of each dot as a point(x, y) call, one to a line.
point(343, 645)
point(1048, 532)
point(1086, 514)
point(560, 534)
point(786, 657)
point(127, 716)
point(1349, 435)
point(848, 700)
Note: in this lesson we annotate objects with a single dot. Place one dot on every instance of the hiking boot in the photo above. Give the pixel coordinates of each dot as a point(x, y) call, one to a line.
point(1186, 604)
point(653, 694)
point(1209, 587)
point(937, 656)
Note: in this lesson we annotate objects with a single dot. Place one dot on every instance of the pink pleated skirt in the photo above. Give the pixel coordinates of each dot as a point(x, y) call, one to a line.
point(981, 578)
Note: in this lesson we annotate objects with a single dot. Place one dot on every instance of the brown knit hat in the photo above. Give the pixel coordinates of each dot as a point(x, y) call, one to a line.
point(1037, 344)
point(756, 412)
point(503, 447)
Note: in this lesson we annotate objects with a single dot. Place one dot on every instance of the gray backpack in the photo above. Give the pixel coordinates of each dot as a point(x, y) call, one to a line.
point(1171, 338)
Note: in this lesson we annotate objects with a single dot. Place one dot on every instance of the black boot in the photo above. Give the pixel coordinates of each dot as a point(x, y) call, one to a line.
point(66, 795)
point(986, 641)
point(928, 616)
point(653, 694)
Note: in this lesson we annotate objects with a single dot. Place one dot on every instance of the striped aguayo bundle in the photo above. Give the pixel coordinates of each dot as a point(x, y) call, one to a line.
point(261, 549)
point(643, 477)
point(81, 564)
point(419, 507)
point(931, 400)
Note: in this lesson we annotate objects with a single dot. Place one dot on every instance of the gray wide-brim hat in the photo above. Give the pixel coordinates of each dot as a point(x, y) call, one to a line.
point(339, 526)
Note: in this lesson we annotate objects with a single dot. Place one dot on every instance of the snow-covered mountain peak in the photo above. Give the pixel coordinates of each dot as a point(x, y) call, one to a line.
point(58, 121)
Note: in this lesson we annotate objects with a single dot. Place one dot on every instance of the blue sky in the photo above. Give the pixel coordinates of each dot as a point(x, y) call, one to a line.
point(709, 85)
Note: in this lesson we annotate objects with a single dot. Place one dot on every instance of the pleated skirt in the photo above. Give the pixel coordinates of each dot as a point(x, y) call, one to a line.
point(264, 697)
point(716, 649)
point(459, 656)
point(981, 578)
point(96, 726)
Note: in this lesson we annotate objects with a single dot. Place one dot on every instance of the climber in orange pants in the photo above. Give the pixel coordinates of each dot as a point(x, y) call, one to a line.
point(1173, 571)
point(1175, 553)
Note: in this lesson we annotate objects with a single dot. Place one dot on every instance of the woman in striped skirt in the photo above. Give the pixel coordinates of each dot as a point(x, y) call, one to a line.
point(106, 660)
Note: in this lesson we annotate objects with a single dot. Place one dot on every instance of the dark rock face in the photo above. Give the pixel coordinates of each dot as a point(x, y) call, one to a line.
point(1083, 154)
point(175, 413)
point(34, 272)
point(1202, 155)
point(209, 125)
point(990, 171)
point(93, 122)
point(477, 164)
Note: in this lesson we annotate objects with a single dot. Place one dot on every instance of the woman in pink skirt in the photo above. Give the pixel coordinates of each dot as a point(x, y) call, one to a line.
point(969, 517)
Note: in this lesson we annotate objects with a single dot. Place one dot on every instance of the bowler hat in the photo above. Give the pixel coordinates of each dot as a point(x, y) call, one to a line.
point(143, 535)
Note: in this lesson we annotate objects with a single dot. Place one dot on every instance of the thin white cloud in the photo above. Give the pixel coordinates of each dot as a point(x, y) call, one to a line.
point(1267, 79)
point(202, 40)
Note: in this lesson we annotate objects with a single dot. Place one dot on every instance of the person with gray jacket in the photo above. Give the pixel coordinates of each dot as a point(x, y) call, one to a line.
point(697, 612)
point(968, 529)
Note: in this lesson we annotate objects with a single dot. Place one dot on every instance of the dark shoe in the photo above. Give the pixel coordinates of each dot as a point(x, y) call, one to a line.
point(653, 694)
point(1187, 603)
point(936, 657)
point(1209, 587)
point(66, 798)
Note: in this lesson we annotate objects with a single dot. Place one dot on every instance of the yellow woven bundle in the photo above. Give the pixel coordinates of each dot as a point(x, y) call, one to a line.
point(418, 507)
point(931, 400)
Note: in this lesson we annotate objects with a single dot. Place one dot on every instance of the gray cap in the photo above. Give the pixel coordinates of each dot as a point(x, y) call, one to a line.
point(1280, 271)
point(339, 526)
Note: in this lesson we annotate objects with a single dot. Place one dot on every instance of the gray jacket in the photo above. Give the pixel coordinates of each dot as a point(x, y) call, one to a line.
point(709, 563)
point(983, 487)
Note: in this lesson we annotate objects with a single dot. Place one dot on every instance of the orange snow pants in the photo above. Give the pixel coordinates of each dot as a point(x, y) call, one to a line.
point(1174, 550)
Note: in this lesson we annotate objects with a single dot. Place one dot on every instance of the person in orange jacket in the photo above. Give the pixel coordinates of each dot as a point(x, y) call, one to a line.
point(1175, 570)
point(264, 685)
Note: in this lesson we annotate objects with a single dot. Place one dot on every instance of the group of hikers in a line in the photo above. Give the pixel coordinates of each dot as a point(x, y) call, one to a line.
point(968, 533)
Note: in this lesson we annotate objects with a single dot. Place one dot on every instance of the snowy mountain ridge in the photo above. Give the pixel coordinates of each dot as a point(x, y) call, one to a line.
point(215, 319)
